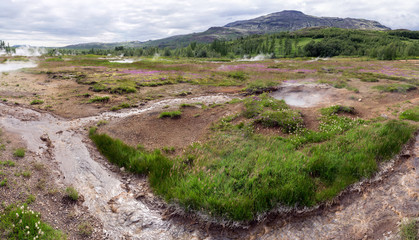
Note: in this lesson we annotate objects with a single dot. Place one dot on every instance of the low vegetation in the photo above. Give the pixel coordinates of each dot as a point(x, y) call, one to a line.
point(409, 230)
point(19, 222)
point(99, 99)
point(19, 152)
point(36, 102)
point(239, 174)
point(400, 88)
point(72, 193)
point(411, 114)
point(172, 114)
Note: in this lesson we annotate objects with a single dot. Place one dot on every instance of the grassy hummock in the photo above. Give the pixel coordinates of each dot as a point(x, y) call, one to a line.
point(238, 174)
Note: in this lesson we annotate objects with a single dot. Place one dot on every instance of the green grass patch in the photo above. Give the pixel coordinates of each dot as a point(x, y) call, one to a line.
point(271, 112)
point(395, 88)
point(186, 105)
point(19, 152)
point(411, 114)
point(238, 174)
point(19, 222)
point(95, 99)
point(337, 109)
point(122, 89)
point(8, 163)
point(239, 75)
point(3, 183)
point(172, 114)
point(72, 193)
point(120, 106)
point(36, 102)
point(99, 87)
point(409, 230)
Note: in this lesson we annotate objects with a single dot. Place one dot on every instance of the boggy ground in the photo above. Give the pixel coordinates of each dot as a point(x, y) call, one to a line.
point(56, 84)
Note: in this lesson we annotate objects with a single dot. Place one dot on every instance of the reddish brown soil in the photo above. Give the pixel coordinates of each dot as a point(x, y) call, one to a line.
point(153, 132)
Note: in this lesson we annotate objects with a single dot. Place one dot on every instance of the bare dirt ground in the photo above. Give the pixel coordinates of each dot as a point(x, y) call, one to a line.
point(30, 177)
point(154, 133)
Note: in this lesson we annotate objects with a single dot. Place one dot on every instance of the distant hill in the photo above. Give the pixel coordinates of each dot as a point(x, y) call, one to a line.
point(272, 23)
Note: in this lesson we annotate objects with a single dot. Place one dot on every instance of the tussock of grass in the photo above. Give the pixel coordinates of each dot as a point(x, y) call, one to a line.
point(271, 112)
point(19, 152)
point(239, 174)
point(72, 193)
point(36, 102)
point(411, 114)
point(173, 114)
point(99, 99)
point(120, 106)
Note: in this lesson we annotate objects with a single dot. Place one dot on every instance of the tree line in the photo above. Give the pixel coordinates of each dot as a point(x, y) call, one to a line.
point(316, 42)
point(6, 47)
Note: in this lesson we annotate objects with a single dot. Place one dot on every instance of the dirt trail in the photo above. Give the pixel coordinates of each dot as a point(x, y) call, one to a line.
point(374, 214)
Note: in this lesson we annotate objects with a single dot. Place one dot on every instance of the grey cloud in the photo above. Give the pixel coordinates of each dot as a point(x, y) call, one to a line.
point(66, 22)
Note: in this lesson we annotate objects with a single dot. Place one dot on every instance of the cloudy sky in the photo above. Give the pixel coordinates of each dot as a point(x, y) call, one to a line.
point(64, 22)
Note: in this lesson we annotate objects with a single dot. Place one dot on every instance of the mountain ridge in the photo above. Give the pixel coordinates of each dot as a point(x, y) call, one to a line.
point(287, 20)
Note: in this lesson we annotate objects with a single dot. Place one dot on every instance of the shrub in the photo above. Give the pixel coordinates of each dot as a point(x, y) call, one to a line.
point(173, 114)
point(72, 193)
point(20, 152)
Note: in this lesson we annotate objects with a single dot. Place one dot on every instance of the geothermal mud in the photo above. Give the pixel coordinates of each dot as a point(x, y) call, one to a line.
point(306, 94)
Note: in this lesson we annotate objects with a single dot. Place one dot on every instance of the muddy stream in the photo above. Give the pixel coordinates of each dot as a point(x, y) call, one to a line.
point(373, 213)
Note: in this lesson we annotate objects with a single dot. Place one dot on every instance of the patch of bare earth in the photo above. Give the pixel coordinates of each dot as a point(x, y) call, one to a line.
point(154, 133)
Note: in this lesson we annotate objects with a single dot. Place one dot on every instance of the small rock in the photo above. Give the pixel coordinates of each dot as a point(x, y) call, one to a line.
point(360, 100)
point(384, 116)
point(122, 169)
point(139, 195)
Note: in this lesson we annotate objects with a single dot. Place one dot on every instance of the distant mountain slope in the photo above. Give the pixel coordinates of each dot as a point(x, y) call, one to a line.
point(295, 20)
point(276, 22)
